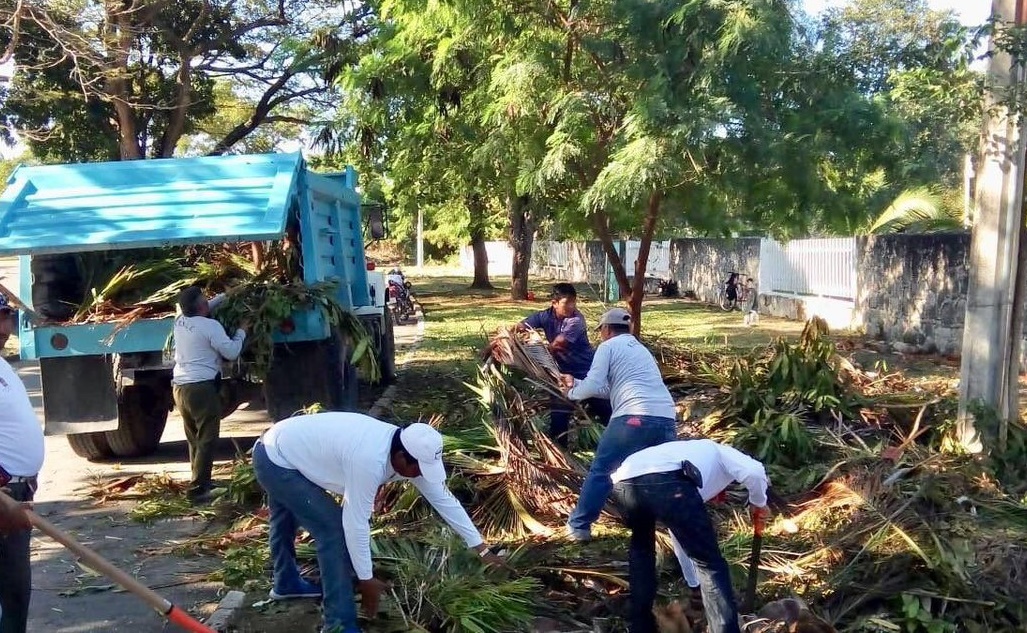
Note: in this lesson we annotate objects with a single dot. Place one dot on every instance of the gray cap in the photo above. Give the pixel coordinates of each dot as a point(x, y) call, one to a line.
point(616, 316)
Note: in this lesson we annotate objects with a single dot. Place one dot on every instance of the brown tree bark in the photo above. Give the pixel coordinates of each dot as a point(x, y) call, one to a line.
point(476, 209)
point(634, 289)
point(522, 237)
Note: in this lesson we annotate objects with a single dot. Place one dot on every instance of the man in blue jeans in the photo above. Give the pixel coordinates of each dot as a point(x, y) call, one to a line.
point(564, 327)
point(668, 484)
point(643, 411)
point(300, 460)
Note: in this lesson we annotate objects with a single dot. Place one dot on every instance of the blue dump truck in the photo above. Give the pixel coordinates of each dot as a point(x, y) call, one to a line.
point(107, 387)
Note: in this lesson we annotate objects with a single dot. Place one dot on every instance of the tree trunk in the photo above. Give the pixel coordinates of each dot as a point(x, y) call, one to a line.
point(652, 214)
point(1011, 406)
point(522, 236)
point(476, 208)
point(601, 224)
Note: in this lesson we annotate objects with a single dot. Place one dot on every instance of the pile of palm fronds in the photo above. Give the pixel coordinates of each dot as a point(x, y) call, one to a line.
point(898, 531)
point(440, 585)
point(268, 307)
point(527, 351)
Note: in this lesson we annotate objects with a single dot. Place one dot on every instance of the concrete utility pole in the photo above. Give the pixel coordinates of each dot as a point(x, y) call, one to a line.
point(987, 367)
point(420, 237)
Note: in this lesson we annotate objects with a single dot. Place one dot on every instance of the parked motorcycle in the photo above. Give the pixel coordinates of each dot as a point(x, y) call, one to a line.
point(401, 302)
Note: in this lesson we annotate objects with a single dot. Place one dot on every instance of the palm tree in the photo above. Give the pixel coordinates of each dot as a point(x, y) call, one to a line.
point(920, 210)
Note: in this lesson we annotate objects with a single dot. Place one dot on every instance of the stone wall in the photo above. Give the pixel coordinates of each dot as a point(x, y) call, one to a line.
point(702, 265)
point(912, 289)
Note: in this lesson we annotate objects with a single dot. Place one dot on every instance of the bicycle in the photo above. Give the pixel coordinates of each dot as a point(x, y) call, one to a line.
point(742, 291)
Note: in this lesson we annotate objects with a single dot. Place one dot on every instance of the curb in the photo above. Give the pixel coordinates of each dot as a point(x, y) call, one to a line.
point(385, 400)
point(222, 617)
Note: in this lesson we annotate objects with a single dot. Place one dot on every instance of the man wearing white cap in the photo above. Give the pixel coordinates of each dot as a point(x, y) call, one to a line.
point(297, 460)
point(643, 411)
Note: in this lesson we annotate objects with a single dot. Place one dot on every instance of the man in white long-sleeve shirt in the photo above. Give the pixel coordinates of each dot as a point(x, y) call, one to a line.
point(200, 345)
point(643, 411)
point(352, 455)
point(670, 484)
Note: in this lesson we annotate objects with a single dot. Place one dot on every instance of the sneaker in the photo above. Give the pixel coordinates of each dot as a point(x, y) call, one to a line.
point(579, 535)
point(302, 589)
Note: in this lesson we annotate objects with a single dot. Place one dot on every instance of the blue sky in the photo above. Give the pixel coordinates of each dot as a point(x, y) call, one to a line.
point(970, 12)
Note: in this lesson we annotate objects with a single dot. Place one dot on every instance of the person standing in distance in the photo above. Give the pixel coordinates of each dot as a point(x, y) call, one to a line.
point(643, 411)
point(200, 346)
point(21, 458)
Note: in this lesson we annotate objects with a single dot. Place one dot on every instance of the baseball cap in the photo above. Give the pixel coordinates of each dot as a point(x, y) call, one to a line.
point(425, 445)
point(616, 316)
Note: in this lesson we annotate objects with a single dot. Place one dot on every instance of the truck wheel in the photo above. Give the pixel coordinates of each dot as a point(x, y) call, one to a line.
point(304, 374)
point(387, 352)
point(92, 446)
point(142, 416)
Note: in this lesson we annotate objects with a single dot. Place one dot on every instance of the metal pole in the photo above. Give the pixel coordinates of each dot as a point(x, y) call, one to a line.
point(987, 335)
point(420, 237)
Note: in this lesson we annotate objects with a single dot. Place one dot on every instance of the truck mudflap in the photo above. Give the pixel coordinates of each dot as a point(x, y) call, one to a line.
point(79, 394)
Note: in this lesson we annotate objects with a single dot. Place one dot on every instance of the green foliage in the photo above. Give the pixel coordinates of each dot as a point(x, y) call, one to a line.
point(439, 584)
point(919, 210)
point(103, 81)
point(777, 395)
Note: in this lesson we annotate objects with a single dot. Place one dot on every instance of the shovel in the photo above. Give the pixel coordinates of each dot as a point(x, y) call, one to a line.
point(758, 519)
point(96, 562)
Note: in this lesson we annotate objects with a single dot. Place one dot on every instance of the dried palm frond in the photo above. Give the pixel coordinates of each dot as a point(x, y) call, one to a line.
point(528, 352)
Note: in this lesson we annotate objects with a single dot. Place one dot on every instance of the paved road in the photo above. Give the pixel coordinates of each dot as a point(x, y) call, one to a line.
point(60, 604)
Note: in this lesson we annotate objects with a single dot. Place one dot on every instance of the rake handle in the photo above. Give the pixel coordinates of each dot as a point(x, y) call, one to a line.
point(100, 564)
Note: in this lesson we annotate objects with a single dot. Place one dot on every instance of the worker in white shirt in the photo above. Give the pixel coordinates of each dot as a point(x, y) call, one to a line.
point(21, 458)
point(624, 371)
point(670, 484)
point(352, 455)
point(201, 344)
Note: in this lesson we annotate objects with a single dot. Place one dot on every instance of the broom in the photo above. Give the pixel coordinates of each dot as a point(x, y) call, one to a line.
point(96, 562)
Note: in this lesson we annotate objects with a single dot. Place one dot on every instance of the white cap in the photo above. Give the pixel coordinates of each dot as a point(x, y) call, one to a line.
point(616, 316)
point(425, 445)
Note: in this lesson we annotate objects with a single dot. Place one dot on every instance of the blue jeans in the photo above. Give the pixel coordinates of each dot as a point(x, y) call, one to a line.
point(626, 434)
point(671, 499)
point(296, 502)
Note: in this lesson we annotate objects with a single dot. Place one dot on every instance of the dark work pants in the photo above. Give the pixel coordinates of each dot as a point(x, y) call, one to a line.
point(15, 572)
point(561, 412)
point(671, 499)
point(199, 404)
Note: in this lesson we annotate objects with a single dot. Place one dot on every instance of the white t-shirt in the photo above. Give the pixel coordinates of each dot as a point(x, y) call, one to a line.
point(626, 372)
point(349, 454)
point(21, 435)
point(200, 344)
point(720, 465)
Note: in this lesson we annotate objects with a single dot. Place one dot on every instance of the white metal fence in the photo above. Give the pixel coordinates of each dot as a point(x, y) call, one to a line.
point(809, 268)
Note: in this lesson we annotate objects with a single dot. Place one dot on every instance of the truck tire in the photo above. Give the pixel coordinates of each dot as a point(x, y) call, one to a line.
point(304, 374)
point(92, 446)
point(142, 416)
point(387, 352)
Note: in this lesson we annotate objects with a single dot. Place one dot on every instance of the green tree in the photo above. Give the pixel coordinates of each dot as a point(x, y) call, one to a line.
point(141, 73)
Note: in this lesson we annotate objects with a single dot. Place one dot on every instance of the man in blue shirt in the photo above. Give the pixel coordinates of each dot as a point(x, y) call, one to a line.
point(564, 327)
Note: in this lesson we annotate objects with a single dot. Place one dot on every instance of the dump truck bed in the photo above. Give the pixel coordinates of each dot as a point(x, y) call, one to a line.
point(60, 209)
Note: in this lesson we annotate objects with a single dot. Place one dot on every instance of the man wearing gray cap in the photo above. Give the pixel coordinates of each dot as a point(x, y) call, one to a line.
point(643, 411)
point(352, 455)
